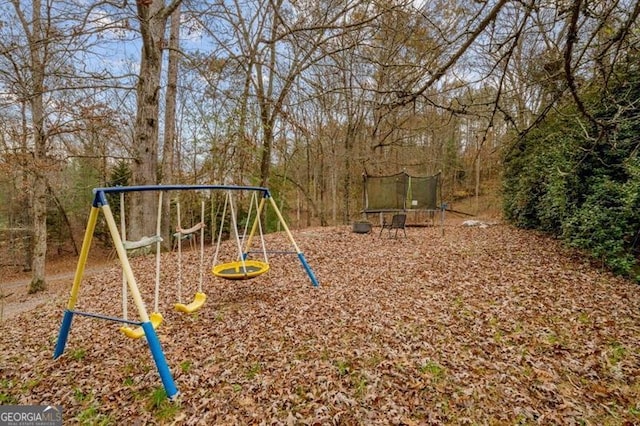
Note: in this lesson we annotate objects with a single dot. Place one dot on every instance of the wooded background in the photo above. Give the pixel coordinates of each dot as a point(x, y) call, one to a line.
point(305, 96)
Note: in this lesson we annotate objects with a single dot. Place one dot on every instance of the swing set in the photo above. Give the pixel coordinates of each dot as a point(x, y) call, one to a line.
point(241, 269)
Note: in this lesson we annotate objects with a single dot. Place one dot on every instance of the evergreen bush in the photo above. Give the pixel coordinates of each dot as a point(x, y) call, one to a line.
point(581, 182)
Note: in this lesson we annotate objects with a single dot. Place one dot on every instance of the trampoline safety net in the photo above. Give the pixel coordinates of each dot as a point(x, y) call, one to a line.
point(401, 192)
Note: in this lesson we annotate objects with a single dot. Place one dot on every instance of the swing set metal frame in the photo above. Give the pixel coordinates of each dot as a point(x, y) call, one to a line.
point(99, 204)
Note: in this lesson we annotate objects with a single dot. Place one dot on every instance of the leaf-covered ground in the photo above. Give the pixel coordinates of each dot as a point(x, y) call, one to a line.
point(476, 326)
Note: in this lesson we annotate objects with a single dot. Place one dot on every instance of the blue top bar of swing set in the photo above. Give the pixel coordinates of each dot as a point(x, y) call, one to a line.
point(100, 199)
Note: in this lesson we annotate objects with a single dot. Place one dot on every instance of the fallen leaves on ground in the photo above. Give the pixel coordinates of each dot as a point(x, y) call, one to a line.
point(477, 326)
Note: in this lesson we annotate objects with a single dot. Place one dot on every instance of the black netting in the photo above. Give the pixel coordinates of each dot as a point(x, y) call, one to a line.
point(401, 192)
point(422, 193)
point(386, 192)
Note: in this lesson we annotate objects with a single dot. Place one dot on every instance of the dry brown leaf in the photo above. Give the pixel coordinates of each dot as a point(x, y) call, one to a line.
point(485, 326)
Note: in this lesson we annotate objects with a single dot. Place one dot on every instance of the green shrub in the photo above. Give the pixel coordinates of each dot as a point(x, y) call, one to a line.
point(582, 183)
point(607, 222)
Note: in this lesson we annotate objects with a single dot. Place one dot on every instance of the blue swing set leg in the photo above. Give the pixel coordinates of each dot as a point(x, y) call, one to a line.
point(161, 363)
point(154, 345)
point(303, 260)
point(220, 270)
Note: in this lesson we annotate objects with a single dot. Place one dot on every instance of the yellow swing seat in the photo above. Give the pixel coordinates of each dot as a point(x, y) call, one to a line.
point(240, 270)
point(138, 332)
point(197, 303)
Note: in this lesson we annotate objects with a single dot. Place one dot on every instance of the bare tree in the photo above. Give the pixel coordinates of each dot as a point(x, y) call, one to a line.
point(47, 78)
point(34, 55)
point(152, 17)
point(274, 42)
point(169, 140)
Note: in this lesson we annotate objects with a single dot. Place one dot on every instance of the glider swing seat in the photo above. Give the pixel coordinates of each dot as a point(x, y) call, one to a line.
point(147, 323)
point(200, 297)
point(242, 269)
point(143, 242)
point(137, 332)
point(155, 317)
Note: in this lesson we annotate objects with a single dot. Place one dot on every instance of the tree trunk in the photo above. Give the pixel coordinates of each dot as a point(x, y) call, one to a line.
point(268, 112)
point(170, 124)
point(39, 189)
point(144, 171)
point(153, 18)
point(265, 163)
point(348, 153)
point(346, 185)
point(39, 251)
point(307, 183)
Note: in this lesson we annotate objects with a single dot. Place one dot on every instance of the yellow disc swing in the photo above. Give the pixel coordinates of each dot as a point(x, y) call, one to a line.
point(243, 268)
point(240, 270)
point(200, 297)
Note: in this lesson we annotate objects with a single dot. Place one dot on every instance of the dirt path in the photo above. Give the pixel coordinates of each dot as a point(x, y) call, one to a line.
point(15, 299)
